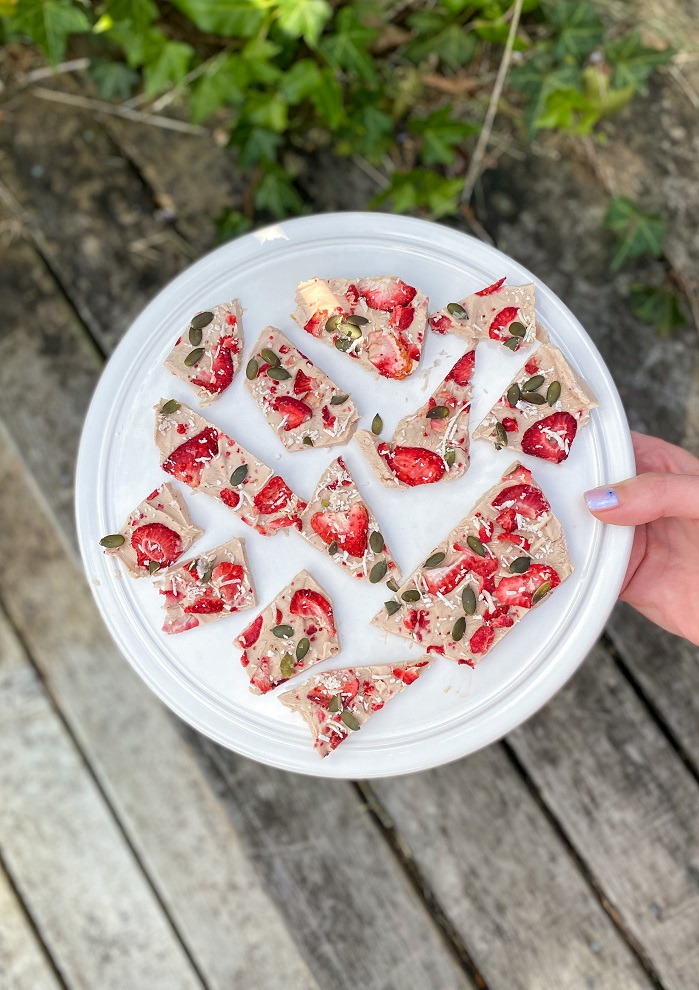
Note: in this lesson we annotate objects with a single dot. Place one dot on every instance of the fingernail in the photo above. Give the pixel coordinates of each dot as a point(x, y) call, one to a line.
point(601, 498)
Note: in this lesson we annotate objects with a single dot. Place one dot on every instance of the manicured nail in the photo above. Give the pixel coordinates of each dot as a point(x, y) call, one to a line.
point(601, 498)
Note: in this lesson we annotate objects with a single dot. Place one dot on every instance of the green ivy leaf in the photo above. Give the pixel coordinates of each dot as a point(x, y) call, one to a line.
point(371, 133)
point(328, 100)
point(568, 110)
point(602, 97)
point(639, 233)
point(301, 81)
point(230, 224)
point(223, 84)
point(660, 308)
point(440, 134)
point(114, 80)
point(138, 48)
point(258, 55)
point(168, 68)
point(49, 24)
point(268, 111)
point(138, 13)
point(348, 47)
point(579, 29)
point(256, 145)
point(231, 18)
point(436, 35)
point(304, 19)
point(277, 194)
point(424, 190)
point(633, 62)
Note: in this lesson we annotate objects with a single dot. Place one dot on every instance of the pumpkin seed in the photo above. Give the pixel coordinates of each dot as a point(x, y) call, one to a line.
point(308, 442)
point(325, 502)
point(513, 394)
point(202, 320)
point(113, 541)
point(378, 571)
point(270, 357)
point(438, 412)
point(331, 325)
point(332, 548)
point(476, 545)
point(450, 457)
point(520, 565)
point(411, 596)
point(350, 721)
point(357, 321)
point(287, 665)
point(335, 703)
point(354, 333)
point(194, 336)
point(282, 632)
point(517, 329)
point(343, 343)
point(337, 400)
point(533, 383)
point(392, 584)
point(435, 560)
point(376, 542)
point(376, 425)
point(194, 356)
point(536, 398)
point(512, 342)
point(553, 393)
point(207, 571)
point(541, 592)
point(501, 435)
point(251, 369)
point(458, 629)
point(468, 600)
point(239, 475)
point(171, 406)
point(153, 566)
point(456, 309)
point(392, 607)
point(302, 648)
point(278, 374)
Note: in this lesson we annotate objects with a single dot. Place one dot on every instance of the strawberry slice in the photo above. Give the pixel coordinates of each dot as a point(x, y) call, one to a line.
point(402, 317)
point(441, 324)
point(519, 541)
point(385, 293)
point(295, 411)
point(221, 374)
point(316, 323)
point(482, 640)
point(524, 499)
point(510, 424)
point(311, 604)
point(250, 636)
point(442, 580)
point(463, 369)
point(352, 295)
point(389, 354)
point(499, 326)
point(349, 689)
point(187, 461)
point(415, 465)
point(207, 604)
point(349, 530)
point(518, 589)
point(302, 383)
point(319, 695)
point(153, 541)
point(492, 288)
point(228, 579)
point(405, 675)
point(230, 498)
point(273, 497)
point(507, 519)
point(328, 419)
point(551, 437)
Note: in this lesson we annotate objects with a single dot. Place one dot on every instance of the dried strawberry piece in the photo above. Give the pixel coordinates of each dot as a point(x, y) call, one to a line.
point(442, 580)
point(294, 411)
point(551, 437)
point(402, 317)
point(221, 374)
point(206, 604)
point(415, 465)
point(228, 579)
point(519, 541)
point(180, 624)
point(319, 695)
point(302, 383)
point(309, 603)
point(482, 640)
point(349, 689)
point(524, 499)
point(405, 675)
point(531, 367)
point(250, 636)
point(352, 295)
point(349, 529)
point(187, 461)
point(441, 324)
point(230, 498)
point(507, 519)
point(273, 497)
point(389, 354)
point(510, 424)
point(328, 419)
point(153, 541)
point(498, 327)
point(492, 288)
point(518, 589)
point(385, 293)
point(153, 494)
point(262, 681)
point(316, 323)
point(463, 369)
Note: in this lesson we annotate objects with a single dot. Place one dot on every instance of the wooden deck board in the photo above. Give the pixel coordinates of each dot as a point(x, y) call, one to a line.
point(23, 962)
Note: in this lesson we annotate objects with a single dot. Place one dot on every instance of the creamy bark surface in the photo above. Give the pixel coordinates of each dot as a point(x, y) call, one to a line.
point(156, 533)
point(338, 522)
point(429, 445)
point(207, 353)
point(390, 319)
point(501, 560)
point(208, 587)
point(294, 632)
point(200, 455)
point(541, 410)
point(337, 703)
point(302, 405)
point(505, 313)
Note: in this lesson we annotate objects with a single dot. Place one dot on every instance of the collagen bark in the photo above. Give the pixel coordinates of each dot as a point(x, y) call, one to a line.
point(207, 353)
point(499, 312)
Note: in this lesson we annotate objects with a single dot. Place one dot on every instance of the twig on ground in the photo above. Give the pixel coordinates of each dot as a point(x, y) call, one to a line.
point(114, 110)
point(373, 173)
point(49, 71)
point(479, 153)
point(684, 84)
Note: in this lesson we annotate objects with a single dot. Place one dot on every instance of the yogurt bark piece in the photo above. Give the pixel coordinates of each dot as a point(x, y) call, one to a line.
point(207, 353)
point(301, 404)
point(295, 631)
point(337, 521)
point(499, 312)
point(208, 587)
point(541, 410)
point(156, 533)
point(379, 322)
point(431, 444)
point(338, 702)
point(200, 455)
point(502, 559)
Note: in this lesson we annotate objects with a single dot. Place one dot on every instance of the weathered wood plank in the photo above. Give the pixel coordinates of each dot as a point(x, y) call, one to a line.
point(628, 805)
point(506, 879)
point(148, 772)
point(23, 964)
point(86, 891)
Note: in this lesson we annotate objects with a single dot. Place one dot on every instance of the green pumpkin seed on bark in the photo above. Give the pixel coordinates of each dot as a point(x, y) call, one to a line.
point(112, 541)
point(171, 406)
point(201, 320)
point(553, 393)
point(194, 356)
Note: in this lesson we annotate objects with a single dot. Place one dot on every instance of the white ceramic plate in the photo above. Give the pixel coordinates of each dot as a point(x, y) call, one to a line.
point(452, 710)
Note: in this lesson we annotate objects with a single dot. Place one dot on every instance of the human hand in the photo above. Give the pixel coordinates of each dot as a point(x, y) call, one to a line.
point(662, 502)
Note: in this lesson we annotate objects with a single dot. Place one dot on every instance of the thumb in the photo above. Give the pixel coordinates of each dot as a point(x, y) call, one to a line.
point(645, 498)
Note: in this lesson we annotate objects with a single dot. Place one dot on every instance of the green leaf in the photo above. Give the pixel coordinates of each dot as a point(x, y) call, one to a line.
point(223, 84)
point(639, 233)
point(258, 55)
point(371, 133)
point(168, 68)
point(328, 100)
point(49, 23)
point(268, 111)
point(301, 81)
point(568, 110)
point(257, 146)
point(348, 47)
point(114, 80)
point(231, 18)
point(138, 48)
point(277, 195)
point(138, 13)
point(424, 190)
point(602, 97)
point(539, 78)
point(440, 134)
point(436, 36)
point(304, 19)
point(633, 63)
point(661, 308)
point(579, 29)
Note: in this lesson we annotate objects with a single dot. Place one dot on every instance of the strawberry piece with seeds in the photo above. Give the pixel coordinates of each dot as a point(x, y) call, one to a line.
point(311, 604)
point(523, 499)
point(550, 438)
point(302, 383)
point(482, 640)
point(207, 353)
point(415, 465)
point(390, 355)
point(187, 461)
point(519, 588)
point(294, 411)
point(348, 529)
point(154, 541)
point(498, 329)
point(275, 495)
point(490, 289)
point(462, 372)
point(251, 635)
point(385, 293)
